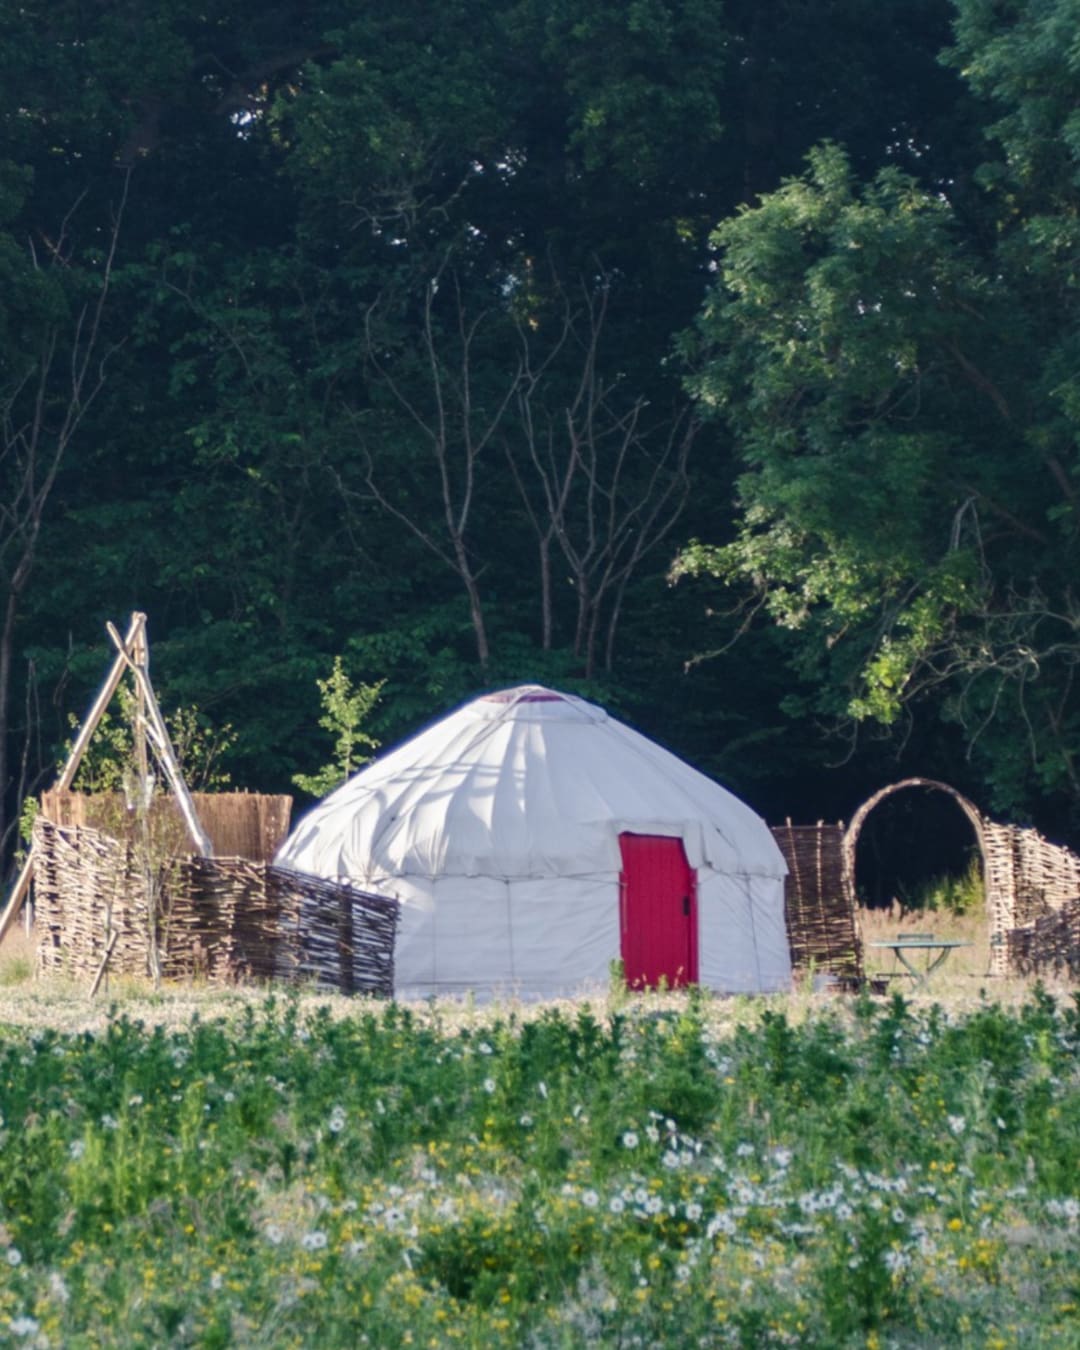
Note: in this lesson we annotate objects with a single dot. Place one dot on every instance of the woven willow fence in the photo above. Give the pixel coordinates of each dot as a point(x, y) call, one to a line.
point(1028, 882)
point(218, 918)
point(1048, 946)
point(1032, 893)
point(821, 926)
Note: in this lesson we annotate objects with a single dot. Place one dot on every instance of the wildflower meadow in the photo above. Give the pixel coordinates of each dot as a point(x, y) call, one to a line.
point(871, 1174)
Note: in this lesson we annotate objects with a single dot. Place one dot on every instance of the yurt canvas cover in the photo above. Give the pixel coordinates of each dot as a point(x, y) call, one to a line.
point(526, 836)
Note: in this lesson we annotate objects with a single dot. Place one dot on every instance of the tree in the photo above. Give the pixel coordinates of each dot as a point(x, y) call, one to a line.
point(602, 476)
point(908, 505)
point(455, 404)
point(345, 708)
point(96, 100)
point(49, 380)
point(259, 472)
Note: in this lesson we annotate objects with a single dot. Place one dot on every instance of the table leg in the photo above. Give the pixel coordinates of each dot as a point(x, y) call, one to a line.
point(922, 977)
point(937, 961)
point(916, 974)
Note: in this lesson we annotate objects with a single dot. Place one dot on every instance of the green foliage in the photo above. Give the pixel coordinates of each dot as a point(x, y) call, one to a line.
point(201, 748)
point(823, 332)
point(641, 81)
point(108, 762)
point(618, 989)
point(875, 369)
point(1020, 57)
point(345, 709)
point(890, 358)
point(30, 810)
point(563, 1178)
point(951, 894)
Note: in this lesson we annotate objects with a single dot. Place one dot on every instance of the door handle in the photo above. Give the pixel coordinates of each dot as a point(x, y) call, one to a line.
point(686, 905)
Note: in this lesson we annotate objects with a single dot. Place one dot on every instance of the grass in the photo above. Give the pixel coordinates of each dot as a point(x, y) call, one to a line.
point(205, 1167)
point(17, 959)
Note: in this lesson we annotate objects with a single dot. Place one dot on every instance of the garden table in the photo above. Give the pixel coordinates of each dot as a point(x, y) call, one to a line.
point(920, 942)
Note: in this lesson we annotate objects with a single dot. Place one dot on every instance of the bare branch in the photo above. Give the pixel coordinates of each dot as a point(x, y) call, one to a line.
point(595, 476)
point(454, 425)
point(40, 416)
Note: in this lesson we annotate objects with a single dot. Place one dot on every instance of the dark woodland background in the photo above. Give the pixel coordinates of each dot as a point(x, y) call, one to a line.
point(717, 361)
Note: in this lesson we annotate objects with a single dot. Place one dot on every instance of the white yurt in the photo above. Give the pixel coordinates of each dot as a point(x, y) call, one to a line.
point(533, 840)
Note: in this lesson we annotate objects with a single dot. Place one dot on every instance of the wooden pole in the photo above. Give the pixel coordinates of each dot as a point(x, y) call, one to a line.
point(18, 894)
point(104, 961)
point(104, 698)
point(71, 768)
point(140, 802)
point(140, 655)
point(159, 738)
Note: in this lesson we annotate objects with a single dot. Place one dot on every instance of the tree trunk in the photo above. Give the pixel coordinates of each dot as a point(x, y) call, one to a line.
point(7, 643)
point(476, 608)
point(545, 593)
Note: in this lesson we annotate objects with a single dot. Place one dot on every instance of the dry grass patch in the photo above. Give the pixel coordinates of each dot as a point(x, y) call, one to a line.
point(962, 983)
point(18, 958)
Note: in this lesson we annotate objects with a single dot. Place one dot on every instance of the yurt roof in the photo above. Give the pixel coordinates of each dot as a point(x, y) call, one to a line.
point(524, 782)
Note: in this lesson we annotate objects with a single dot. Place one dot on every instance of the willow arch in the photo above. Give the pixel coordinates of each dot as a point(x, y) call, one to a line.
point(851, 834)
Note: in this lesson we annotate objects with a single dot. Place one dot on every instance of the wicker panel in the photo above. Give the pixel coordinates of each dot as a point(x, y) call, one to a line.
point(1033, 881)
point(1050, 945)
point(1000, 876)
point(821, 925)
point(222, 918)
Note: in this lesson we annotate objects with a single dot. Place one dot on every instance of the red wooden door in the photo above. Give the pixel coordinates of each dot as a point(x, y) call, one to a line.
point(657, 912)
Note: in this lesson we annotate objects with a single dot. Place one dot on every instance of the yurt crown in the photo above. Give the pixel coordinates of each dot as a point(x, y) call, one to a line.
point(525, 693)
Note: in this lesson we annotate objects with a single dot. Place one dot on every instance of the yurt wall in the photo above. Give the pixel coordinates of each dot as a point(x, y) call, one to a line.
point(499, 829)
